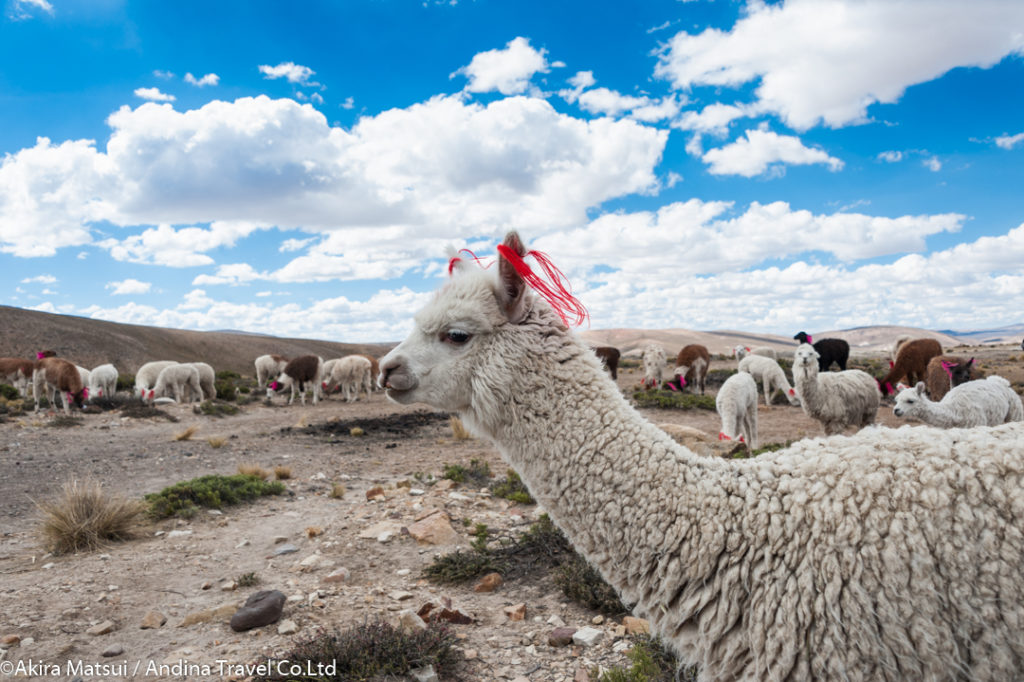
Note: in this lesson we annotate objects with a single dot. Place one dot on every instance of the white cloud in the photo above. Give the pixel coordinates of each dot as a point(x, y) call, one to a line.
point(22, 9)
point(294, 244)
point(933, 164)
point(208, 79)
point(163, 75)
point(129, 286)
point(890, 156)
point(153, 95)
point(1009, 141)
point(349, 103)
point(826, 61)
point(611, 103)
point(233, 274)
point(178, 248)
point(294, 73)
point(508, 71)
point(42, 279)
point(762, 150)
point(714, 119)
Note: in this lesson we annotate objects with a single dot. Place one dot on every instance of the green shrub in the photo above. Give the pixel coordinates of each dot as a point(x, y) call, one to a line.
point(375, 651)
point(649, 662)
point(673, 400)
point(225, 390)
point(8, 392)
point(212, 409)
point(213, 492)
point(512, 488)
point(478, 473)
point(126, 382)
point(580, 582)
point(228, 375)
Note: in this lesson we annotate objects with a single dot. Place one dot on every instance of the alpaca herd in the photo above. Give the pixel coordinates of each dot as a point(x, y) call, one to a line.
point(889, 554)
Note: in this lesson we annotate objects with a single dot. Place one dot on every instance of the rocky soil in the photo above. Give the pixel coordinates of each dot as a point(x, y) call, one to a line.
point(166, 597)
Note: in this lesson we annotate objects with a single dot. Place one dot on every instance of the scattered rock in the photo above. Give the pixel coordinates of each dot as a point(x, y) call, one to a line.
point(516, 612)
point(262, 608)
point(376, 530)
point(7, 641)
point(103, 628)
point(228, 586)
point(285, 549)
point(561, 636)
point(597, 620)
point(488, 583)
point(287, 627)
point(556, 620)
point(152, 620)
point(179, 534)
point(375, 493)
point(587, 636)
point(209, 615)
point(401, 595)
point(434, 530)
point(636, 626)
point(411, 622)
point(112, 650)
point(339, 575)
point(424, 674)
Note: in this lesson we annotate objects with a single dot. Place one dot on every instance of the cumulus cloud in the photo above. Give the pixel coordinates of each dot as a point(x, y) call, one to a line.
point(507, 71)
point(890, 156)
point(294, 244)
point(178, 248)
point(933, 164)
point(41, 279)
point(292, 72)
point(761, 150)
point(208, 79)
point(606, 102)
point(153, 95)
point(20, 10)
point(1009, 141)
point(714, 119)
point(232, 273)
point(129, 286)
point(826, 61)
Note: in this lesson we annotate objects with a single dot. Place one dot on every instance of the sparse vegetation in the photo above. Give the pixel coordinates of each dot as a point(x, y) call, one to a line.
point(125, 382)
point(213, 492)
point(64, 421)
point(673, 400)
point(649, 662)
point(337, 491)
point(282, 473)
point(477, 474)
point(140, 410)
point(512, 488)
point(216, 442)
point(8, 392)
point(458, 429)
point(374, 651)
point(215, 408)
point(247, 579)
point(187, 433)
point(251, 469)
point(83, 517)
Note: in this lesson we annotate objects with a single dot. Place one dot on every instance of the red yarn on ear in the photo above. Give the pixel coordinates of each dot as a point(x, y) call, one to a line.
point(456, 259)
point(558, 292)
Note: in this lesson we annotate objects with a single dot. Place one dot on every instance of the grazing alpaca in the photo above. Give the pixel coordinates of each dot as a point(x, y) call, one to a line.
point(692, 365)
point(55, 375)
point(305, 371)
point(829, 351)
point(893, 554)
point(838, 400)
point(911, 363)
point(654, 365)
point(771, 376)
point(736, 404)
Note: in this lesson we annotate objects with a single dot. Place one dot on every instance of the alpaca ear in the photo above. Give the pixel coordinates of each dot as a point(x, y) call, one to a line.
point(921, 388)
point(970, 362)
point(511, 286)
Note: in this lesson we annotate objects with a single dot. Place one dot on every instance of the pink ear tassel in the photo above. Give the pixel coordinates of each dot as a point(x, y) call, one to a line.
point(40, 355)
point(722, 436)
point(792, 392)
point(558, 292)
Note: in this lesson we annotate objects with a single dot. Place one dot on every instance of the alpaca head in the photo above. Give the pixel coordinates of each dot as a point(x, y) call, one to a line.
point(959, 372)
point(910, 401)
point(806, 359)
point(482, 329)
point(802, 337)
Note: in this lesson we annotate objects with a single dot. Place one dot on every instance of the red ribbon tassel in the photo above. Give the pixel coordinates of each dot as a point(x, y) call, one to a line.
point(456, 259)
point(557, 292)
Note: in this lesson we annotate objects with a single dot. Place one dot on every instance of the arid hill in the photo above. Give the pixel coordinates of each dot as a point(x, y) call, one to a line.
point(89, 342)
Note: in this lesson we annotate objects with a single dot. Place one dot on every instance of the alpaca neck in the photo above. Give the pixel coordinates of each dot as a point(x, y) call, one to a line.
point(936, 413)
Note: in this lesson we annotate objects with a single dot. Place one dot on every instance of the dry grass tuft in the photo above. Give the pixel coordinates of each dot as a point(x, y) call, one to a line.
point(216, 442)
point(187, 433)
point(303, 422)
point(458, 430)
point(314, 531)
point(83, 517)
point(253, 470)
point(282, 473)
point(337, 491)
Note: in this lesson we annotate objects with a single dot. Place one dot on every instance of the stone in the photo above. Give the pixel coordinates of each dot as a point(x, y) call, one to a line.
point(587, 636)
point(339, 575)
point(516, 612)
point(434, 530)
point(152, 620)
point(445, 484)
point(112, 650)
point(287, 627)
point(426, 674)
point(561, 636)
point(209, 615)
point(410, 622)
point(597, 620)
point(375, 493)
point(179, 534)
point(101, 629)
point(286, 549)
point(471, 654)
point(401, 595)
point(7, 641)
point(556, 621)
point(377, 529)
point(262, 608)
point(228, 586)
point(488, 583)
point(636, 626)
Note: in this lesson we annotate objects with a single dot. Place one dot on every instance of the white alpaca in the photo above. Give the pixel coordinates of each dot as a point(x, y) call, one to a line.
point(988, 402)
point(894, 554)
point(352, 374)
point(736, 403)
point(267, 368)
point(771, 376)
point(742, 351)
point(103, 381)
point(145, 378)
point(207, 380)
point(654, 357)
point(178, 381)
point(838, 400)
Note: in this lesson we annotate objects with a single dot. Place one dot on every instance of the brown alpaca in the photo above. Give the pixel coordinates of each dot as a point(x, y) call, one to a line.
point(691, 368)
point(61, 376)
point(946, 371)
point(609, 355)
point(911, 362)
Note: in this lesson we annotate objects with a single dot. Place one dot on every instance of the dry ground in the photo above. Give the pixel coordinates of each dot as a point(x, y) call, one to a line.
point(50, 602)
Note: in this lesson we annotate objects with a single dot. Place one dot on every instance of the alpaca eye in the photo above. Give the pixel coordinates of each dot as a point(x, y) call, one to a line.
point(457, 336)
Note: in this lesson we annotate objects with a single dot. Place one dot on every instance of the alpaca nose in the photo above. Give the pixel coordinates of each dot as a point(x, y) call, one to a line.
point(394, 374)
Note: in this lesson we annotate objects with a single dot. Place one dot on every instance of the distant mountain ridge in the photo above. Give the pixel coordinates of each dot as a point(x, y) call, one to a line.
point(90, 342)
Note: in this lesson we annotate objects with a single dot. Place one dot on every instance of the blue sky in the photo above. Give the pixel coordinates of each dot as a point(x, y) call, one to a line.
point(298, 169)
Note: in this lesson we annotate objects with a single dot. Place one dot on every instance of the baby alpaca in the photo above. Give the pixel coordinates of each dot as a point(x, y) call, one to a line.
point(736, 403)
point(654, 365)
point(692, 365)
point(177, 381)
point(838, 400)
point(771, 376)
point(988, 402)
